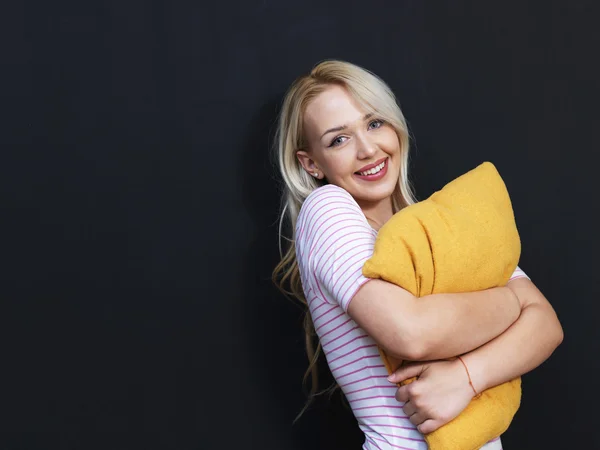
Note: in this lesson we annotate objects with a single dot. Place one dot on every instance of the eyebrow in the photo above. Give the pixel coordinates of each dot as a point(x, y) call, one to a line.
point(343, 127)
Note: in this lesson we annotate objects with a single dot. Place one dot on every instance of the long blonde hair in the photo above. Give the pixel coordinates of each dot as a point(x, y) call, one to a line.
point(374, 95)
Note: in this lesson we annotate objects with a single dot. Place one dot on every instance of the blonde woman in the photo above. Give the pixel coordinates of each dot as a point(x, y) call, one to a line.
point(343, 148)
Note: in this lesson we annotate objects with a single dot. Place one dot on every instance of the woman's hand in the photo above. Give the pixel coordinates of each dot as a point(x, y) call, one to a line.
point(441, 392)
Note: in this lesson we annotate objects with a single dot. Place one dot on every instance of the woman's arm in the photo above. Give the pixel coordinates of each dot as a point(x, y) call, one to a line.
point(435, 326)
point(442, 390)
point(333, 242)
point(522, 347)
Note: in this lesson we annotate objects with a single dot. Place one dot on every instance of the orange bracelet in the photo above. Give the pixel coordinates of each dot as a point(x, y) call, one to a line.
point(469, 375)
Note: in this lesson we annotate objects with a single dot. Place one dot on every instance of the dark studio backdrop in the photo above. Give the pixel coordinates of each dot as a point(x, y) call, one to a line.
point(139, 205)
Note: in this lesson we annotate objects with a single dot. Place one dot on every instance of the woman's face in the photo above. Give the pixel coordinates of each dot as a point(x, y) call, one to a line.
point(351, 149)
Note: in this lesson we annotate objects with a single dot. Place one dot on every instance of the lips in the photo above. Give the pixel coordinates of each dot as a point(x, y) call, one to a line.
point(370, 166)
point(374, 177)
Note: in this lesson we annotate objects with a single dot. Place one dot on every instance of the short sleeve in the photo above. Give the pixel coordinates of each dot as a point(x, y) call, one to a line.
point(518, 273)
point(333, 242)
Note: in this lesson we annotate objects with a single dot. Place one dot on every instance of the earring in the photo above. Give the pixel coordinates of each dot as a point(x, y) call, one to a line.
point(315, 174)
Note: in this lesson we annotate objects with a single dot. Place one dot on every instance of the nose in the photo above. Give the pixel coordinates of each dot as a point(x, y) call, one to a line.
point(366, 148)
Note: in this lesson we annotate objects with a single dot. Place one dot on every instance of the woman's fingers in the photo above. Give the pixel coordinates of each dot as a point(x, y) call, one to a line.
point(402, 394)
point(418, 418)
point(429, 426)
point(424, 423)
point(409, 408)
point(405, 372)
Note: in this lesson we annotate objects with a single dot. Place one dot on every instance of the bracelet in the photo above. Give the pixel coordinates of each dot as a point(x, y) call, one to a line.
point(469, 375)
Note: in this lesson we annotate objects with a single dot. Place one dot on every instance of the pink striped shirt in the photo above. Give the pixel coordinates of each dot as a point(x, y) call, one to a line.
point(333, 241)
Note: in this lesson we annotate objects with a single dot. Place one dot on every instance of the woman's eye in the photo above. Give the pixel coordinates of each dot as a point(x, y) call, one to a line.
point(375, 124)
point(337, 141)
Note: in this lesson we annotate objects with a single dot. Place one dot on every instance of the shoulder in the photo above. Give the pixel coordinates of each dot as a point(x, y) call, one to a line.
point(329, 191)
point(329, 212)
point(326, 201)
point(333, 241)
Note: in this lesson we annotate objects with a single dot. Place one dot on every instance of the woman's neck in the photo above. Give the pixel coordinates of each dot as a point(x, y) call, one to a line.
point(378, 213)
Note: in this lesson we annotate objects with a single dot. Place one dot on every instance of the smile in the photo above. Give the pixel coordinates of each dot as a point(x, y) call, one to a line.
point(375, 172)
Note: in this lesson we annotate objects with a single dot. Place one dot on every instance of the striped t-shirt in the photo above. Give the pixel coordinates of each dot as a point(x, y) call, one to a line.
point(333, 241)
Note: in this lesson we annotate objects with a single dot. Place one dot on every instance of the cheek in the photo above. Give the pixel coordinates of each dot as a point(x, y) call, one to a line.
point(341, 164)
point(394, 144)
point(389, 140)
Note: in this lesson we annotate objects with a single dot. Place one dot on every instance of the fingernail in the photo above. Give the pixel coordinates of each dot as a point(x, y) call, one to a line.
point(390, 378)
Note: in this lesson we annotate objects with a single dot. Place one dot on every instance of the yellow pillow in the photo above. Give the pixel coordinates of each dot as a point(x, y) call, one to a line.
point(462, 238)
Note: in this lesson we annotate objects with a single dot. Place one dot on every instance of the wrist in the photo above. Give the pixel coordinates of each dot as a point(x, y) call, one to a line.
point(473, 374)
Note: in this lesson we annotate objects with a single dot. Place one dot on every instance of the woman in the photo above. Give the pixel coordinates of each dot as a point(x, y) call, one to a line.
point(342, 147)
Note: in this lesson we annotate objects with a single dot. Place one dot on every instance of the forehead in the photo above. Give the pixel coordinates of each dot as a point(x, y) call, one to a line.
point(333, 107)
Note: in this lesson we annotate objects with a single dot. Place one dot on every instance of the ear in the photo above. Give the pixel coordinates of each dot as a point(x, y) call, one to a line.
point(308, 163)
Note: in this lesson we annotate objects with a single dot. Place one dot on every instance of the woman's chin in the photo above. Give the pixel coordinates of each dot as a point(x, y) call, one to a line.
point(374, 194)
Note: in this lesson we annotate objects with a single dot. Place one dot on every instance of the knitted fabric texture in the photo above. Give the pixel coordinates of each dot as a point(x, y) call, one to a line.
point(462, 238)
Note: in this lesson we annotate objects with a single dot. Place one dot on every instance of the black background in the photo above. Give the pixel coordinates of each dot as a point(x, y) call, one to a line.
point(139, 205)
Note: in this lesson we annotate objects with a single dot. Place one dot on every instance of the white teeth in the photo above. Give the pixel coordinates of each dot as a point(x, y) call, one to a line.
point(374, 170)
